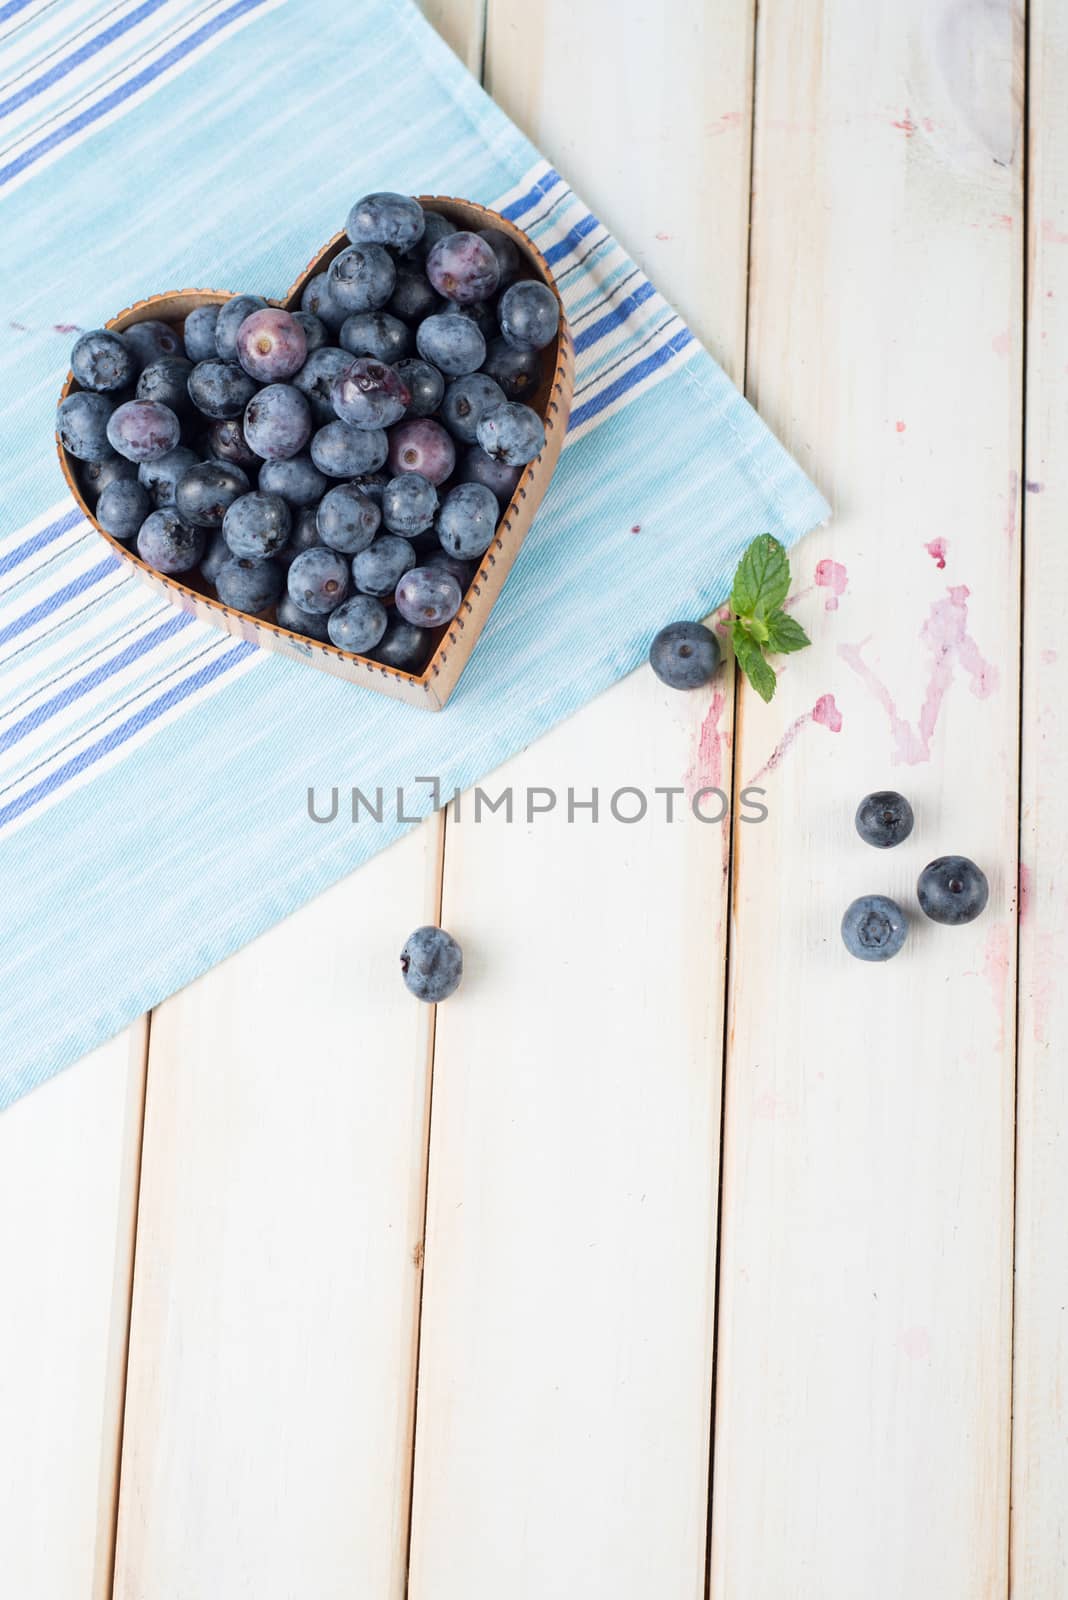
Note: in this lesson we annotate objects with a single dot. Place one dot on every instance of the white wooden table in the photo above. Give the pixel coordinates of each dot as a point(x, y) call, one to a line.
point(686, 1251)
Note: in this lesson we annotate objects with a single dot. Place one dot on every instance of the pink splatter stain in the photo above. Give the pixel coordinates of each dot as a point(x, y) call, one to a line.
point(1053, 235)
point(945, 635)
point(833, 576)
point(1002, 219)
point(1048, 657)
point(637, 528)
point(663, 237)
point(905, 124)
point(65, 327)
point(1001, 343)
point(1023, 892)
point(825, 713)
point(1033, 486)
point(706, 769)
point(997, 959)
point(1010, 513)
point(916, 1343)
point(936, 549)
point(899, 425)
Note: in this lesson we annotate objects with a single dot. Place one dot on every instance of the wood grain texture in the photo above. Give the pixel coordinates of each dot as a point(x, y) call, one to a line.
point(1040, 1420)
point(462, 24)
point(268, 1420)
point(565, 1367)
point(862, 1421)
point(68, 1194)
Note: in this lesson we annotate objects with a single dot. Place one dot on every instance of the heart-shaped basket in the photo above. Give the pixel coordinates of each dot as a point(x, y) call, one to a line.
point(432, 687)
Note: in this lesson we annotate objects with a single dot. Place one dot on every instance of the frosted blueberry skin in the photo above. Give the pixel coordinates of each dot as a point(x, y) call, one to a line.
point(270, 345)
point(278, 422)
point(316, 334)
point(257, 524)
point(297, 479)
point(220, 389)
point(143, 430)
point(317, 299)
point(304, 535)
point(347, 520)
point(232, 314)
point(318, 580)
point(369, 394)
point(435, 228)
point(422, 446)
point(414, 296)
point(452, 343)
point(396, 220)
point(884, 819)
point(122, 507)
point(424, 383)
point(249, 583)
point(361, 278)
point(198, 334)
point(466, 402)
point(167, 382)
point(377, 334)
point(478, 467)
point(152, 340)
point(206, 492)
point(287, 615)
point(82, 424)
point(467, 521)
point(343, 452)
point(952, 890)
point(529, 315)
point(432, 964)
point(94, 476)
point(512, 434)
point(378, 570)
point(224, 440)
point(504, 248)
point(874, 928)
point(428, 596)
point(462, 571)
point(170, 545)
point(684, 655)
point(102, 361)
point(463, 267)
point(161, 477)
point(517, 371)
point(214, 558)
point(403, 646)
point(315, 380)
point(358, 624)
point(372, 484)
point(409, 503)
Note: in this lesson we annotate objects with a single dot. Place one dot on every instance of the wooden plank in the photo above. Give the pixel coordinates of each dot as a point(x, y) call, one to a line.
point(462, 24)
point(565, 1363)
point(862, 1419)
point(1039, 1542)
point(69, 1157)
point(268, 1421)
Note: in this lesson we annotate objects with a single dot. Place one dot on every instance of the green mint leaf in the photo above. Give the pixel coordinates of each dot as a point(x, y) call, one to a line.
point(756, 628)
point(785, 634)
point(750, 658)
point(762, 580)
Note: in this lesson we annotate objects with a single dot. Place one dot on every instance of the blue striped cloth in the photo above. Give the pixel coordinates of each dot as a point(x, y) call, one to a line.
point(154, 773)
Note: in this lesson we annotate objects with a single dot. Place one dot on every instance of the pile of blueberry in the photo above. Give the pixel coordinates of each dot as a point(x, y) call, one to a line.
point(951, 889)
point(343, 466)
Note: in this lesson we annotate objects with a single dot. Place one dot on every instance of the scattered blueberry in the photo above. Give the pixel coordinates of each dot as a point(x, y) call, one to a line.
point(684, 655)
point(874, 928)
point(379, 569)
point(369, 394)
point(206, 492)
point(82, 424)
point(315, 380)
point(377, 334)
point(271, 345)
point(529, 315)
point(169, 544)
point(466, 402)
point(198, 334)
point(347, 520)
point(463, 267)
point(467, 521)
point(287, 615)
point(344, 452)
point(414, 296)
point(122, 507)
point(316, 333)
point(161, 477)
point(143, 430)
point(453, 344)
point(95, 476)
point(884, 819)
point(432, 964)
point(278, 422)
point(297, 479)
point(215, 558)
point(517, 371)
point(249, 583)
point(403, 645)
point(232, 314)
point(409, 502)
point(152, 340)
point(304, 536)
point(512, 433)
point(435, 228)
point(257, 524)
point(103, 361)
point(220, 388)
point(317, 299)
point(428, 596)
point(424, 383)
point(506, 251)
point(393, 219)
point(318, 580)
point(362, 277)
point(952, 890)
point(358, 625)
point(478, 467)
point(423, 446)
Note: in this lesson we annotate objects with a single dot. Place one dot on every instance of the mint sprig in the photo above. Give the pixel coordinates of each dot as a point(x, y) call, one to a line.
point(759, 625)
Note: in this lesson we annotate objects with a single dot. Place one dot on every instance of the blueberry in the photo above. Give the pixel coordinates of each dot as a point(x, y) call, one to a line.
point(462, 571)
point(478, 467)
point(517, 371)
point(199, 333)
point(424, 383)
point(371, 484)
point(884, 819)
point(511, 433)
point(874, 928)
point(304, 536)
point(317, 299)
point(358, 625)
point(152, 340)
point(224, 440)
point(122, 508)
point(315, 380)
point(347, 520)
point(423, 446)
point(161, 477)
point(103, 361)
point(82, 424)
point(169, 544)
point(215, 558)
point(232, 314)
point(270, 345)
point(95, 476)
point(684, 655)
point(432, 964)
point(220, 388)
point(428, 596)
point(393, 219)
point(505, 250)
point(167, 382)
point(463, 267)
point(318, 580)
point(287, 615)
point(344, 452)
point(377, 334)
point(143, 430)
point(409, 502)
point(316, 334)
point(414, 296)
point(206, 492)
point(379, 569)
point(482, 314)
point(952, 890)
point(466, 402)
point(369, 394)
point(297, 479)
point(467, 520)
point(362, 278)
point(435, 228)
point(278, 422)
point(453, 343)
point(529, 315)
point(403, 647)
point(257, 524)
point(249, 583)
